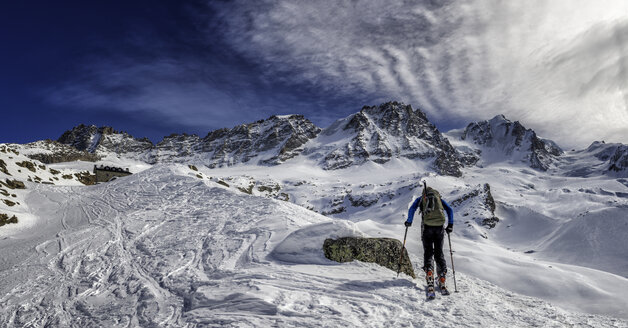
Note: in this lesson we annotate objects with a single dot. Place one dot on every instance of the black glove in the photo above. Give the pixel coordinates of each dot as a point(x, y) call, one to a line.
point(450, 228)
point(407, 224)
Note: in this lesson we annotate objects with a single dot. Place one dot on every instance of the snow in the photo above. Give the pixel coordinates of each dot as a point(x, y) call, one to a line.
point(169, 246)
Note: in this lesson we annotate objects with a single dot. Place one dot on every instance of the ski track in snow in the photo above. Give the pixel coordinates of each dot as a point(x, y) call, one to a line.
point(163, 249)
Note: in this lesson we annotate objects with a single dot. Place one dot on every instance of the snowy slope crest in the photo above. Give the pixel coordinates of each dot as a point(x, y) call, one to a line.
point(501, 139)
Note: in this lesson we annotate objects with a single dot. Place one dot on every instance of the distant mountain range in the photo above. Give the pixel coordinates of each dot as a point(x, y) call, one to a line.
point(376, 134)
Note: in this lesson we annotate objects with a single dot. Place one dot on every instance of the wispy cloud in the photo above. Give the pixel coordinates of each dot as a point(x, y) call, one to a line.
point(558, 66)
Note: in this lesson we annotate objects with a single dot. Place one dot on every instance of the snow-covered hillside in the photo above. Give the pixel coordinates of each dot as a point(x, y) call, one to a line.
point(169, 247)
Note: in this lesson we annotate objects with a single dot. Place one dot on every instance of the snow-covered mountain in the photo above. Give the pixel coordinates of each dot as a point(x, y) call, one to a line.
point(227, 229)
point(613, 155)
point(266, 142)
point(501, 139)
point(104, 139)
point(381, 133)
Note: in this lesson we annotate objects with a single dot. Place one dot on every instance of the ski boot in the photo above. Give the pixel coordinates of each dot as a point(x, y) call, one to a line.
point(429, 277)
point(441, 283)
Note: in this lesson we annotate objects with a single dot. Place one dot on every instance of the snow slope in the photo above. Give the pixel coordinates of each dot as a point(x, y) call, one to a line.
point(535, 209)
point(169, 247)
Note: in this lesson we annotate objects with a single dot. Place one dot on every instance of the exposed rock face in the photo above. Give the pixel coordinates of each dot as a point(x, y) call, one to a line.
point(270, 141)
point(380, 133)
point(84, 137)
point(614, 156)
point(123, 143)
point(13, 184)
point(479, 205)
point(95, 139)
point(4, 219)
point(56, 152)
point(619, 160)
point(514, 140)
point(383, 251)
point(175, 146)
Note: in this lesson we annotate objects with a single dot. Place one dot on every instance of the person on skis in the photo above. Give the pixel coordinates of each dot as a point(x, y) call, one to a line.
point(433, 210)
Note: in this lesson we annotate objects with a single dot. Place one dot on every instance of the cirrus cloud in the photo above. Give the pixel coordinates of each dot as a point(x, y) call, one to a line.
point(557, 66)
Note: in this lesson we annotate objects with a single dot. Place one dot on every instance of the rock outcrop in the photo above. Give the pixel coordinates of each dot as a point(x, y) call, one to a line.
point(618, 162)
point(383, 251)
point(477, 205)
point(93, 139)
point(50, 152)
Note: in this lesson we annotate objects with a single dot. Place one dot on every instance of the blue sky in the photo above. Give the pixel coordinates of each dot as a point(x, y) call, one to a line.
point(152, 68)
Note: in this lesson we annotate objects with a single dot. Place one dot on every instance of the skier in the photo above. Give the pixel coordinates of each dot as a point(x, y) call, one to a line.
point(432, 208)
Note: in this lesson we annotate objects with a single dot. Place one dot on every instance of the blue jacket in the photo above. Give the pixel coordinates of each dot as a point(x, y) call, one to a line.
point(417, 202)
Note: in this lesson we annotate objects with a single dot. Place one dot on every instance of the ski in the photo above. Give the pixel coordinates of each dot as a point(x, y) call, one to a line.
point(444, 290)
point(430, 294)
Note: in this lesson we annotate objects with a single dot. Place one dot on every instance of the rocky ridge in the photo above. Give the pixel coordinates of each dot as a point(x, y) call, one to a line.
point(381, 133)
point(513, 140)
point(271, 141)
point(614, 155)
point(375, 134)
point(99, 140)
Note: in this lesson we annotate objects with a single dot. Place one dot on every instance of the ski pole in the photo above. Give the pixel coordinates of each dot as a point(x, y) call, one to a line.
point(452, 263)
point(402, 248)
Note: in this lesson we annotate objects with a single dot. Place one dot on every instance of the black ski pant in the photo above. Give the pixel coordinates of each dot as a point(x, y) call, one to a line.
point(432, 238)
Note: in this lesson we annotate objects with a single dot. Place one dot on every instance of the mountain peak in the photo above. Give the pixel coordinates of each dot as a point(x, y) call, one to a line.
point(514, 140)
point(499, 119)
point(85, 137)
point(92, 138)
point(381, 133)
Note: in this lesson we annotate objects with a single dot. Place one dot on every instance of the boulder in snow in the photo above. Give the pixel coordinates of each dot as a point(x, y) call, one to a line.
point(383, 251)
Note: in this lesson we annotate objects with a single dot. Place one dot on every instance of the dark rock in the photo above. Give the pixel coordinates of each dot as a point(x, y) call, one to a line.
point(14, 184)
point(4, 219)
point(85, 178)
point(3, 167)
point(490, 222)
point(619, 160)
point(27, 165)
point(383, 251)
